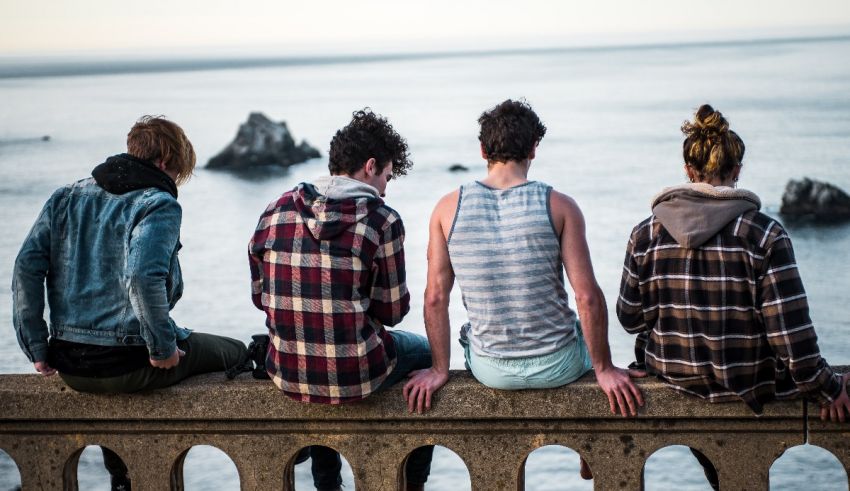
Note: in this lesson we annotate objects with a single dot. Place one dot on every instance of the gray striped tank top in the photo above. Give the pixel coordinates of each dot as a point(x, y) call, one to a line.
point(507, 261)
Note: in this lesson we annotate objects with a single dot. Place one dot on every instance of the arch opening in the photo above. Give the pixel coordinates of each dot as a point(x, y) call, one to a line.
point(679, 467)
point(446, 470)
point(807, 467)
point(10, 475)
point(97, 467)
point(206, 467)
point(318, 467)
point(556, 467)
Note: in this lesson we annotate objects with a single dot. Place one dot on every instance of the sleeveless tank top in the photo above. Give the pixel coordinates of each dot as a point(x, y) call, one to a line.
point(507, 260)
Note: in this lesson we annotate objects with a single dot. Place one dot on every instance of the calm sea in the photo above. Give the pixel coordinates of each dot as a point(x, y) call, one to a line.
point(613, 117)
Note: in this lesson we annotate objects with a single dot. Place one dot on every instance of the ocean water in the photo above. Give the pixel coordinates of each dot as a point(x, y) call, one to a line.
point(613, 141)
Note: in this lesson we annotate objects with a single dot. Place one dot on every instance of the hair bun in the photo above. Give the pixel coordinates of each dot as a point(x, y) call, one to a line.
point(707, 123)
point(710, 147)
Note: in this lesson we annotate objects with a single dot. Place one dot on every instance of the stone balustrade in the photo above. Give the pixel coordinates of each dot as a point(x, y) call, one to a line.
point(44, 426)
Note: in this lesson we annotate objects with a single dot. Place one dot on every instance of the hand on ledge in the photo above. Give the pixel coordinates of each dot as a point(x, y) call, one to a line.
point(623, 395)
point(169, 362)
point(43, 368)
point(839, 406)
point(422, 384)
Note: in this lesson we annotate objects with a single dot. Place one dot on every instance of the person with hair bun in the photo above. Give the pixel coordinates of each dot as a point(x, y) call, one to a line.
point(711, 288)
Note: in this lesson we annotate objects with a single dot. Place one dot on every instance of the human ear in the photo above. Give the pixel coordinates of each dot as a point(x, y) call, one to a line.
point(371, 167)
point(736, 172)
point(689, 173)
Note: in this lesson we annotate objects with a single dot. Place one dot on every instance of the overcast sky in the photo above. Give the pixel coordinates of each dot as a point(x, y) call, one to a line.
point(149, 26)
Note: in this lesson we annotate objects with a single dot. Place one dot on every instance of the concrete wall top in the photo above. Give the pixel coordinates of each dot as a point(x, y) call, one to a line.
point(207, 397)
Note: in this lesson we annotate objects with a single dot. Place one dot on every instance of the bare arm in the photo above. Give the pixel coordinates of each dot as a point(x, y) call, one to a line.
point(423, 383)
point(615, 382)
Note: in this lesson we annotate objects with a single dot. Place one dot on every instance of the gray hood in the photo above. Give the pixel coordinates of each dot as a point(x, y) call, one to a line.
point(332, 204)
point(344, 187)
point(693, 213)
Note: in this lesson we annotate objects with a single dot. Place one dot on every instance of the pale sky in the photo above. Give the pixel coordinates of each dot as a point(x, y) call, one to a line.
point(149, 26)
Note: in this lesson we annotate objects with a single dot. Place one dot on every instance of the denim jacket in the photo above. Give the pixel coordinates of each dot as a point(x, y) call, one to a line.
point(111, 269)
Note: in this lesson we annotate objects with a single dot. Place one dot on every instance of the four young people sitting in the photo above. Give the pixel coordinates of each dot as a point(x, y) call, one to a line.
point(710, 285)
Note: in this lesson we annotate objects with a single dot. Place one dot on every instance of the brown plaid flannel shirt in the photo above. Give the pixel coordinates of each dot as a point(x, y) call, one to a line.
point(728, 320)
point(329, 274)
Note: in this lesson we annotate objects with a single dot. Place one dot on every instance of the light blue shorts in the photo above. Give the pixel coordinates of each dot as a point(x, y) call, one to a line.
point(535, 372)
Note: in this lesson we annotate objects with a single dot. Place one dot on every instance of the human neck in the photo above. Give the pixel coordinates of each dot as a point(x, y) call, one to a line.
point(503, 175)
point(728, 182)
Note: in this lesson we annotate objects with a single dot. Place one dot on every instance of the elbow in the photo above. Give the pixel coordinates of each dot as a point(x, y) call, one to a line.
point(141, 279)
point(145, 288)
point(436, 299)
point(590, 301)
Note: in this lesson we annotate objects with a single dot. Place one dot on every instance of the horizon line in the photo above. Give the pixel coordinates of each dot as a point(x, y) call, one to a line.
point(115, 66)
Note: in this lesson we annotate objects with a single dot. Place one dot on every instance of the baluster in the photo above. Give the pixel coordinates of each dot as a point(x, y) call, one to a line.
point(153, 466)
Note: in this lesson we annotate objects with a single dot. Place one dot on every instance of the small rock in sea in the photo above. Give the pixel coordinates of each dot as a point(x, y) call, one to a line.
point(458, 168)
point(815, 201)
point(45, 138)
point(261, 141)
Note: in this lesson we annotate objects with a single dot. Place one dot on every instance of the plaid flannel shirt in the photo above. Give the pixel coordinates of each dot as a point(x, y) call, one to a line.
point(329, 275)
point(728, 320)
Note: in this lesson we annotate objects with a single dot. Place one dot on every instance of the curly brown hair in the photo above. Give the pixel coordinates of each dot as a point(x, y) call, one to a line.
point(368, 135)
point(510, 131)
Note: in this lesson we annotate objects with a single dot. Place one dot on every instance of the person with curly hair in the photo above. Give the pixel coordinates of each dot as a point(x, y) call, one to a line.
point(327, 268)
point(507, 240)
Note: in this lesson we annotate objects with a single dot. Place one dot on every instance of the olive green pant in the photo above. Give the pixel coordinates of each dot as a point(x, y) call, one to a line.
point(204, 353)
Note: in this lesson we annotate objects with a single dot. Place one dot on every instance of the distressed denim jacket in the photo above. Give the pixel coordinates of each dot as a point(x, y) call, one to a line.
point(111, 269)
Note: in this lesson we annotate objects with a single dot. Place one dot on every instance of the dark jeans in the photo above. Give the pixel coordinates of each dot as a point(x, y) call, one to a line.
point(204, 353)
point(412, 353)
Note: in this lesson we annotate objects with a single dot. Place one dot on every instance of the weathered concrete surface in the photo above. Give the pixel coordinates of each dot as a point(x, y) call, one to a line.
point(44, 425)
point(834, 437)
point(213, 397)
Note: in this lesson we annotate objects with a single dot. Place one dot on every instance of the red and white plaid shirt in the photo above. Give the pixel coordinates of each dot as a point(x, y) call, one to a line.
point(329, 274)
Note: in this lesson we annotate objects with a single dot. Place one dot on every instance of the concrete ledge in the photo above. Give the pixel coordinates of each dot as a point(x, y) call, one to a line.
point(44, 426)
point(28, 397)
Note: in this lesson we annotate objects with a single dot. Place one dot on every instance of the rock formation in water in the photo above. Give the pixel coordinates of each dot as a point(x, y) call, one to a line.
point(261, 141)
point(815, 201)
point(458, 168)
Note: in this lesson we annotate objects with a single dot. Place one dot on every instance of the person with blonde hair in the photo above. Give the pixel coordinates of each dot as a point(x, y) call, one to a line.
point(106, 247)
point(711, 288)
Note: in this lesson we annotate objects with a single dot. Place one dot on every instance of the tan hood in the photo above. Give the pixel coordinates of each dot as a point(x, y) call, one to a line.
point(693, 213)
